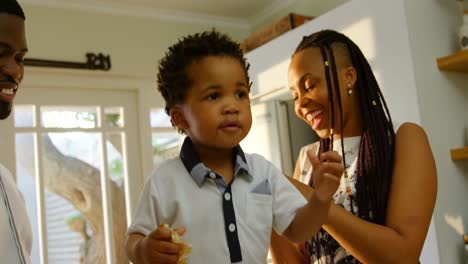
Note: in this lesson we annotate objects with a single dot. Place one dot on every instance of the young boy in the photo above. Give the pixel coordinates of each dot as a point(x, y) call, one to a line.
point(226, 200)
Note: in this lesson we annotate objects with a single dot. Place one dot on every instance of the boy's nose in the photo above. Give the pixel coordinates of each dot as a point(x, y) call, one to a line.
point(231, 108)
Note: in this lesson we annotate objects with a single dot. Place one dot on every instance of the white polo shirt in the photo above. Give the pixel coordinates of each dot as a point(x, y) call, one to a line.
point(15, 229)
point(224, 223)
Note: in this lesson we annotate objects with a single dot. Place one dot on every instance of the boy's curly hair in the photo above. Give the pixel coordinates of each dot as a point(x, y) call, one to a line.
point(172, 78)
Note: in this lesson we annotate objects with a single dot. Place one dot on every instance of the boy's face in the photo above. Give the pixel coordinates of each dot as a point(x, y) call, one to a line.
point(216, 111)
point(12, 51)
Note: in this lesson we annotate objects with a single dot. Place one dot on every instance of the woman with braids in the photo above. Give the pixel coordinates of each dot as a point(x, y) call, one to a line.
point(386, 197)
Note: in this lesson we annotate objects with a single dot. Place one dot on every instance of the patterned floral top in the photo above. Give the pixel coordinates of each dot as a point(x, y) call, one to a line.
point(323, 248)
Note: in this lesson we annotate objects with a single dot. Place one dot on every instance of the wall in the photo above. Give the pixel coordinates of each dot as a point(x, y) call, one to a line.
point(443, 103)
point(401, 39)
point(368, 24)
point(304, 7)
point(135, 44)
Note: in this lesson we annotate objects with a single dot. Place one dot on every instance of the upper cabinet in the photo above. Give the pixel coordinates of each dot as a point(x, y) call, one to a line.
point(457, 62)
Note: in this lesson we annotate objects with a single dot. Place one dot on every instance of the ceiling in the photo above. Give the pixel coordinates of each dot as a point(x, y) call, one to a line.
point(242, 13)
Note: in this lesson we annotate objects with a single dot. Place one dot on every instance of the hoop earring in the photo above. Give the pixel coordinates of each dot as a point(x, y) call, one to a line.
point(350, 90)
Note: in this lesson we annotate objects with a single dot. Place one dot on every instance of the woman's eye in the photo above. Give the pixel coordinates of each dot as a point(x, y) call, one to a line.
point(309, 85)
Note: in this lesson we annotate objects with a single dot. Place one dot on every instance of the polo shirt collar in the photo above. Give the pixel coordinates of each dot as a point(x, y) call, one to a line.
point(199, 171)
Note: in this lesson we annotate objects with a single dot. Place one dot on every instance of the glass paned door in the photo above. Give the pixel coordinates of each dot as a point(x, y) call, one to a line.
point(165, 139)
point(75, 150)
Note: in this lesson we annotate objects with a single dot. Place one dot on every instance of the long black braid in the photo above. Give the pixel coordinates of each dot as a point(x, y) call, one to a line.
point(376, 149)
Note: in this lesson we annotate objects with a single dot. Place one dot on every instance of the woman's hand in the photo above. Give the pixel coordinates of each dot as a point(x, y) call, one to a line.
point(326, 175)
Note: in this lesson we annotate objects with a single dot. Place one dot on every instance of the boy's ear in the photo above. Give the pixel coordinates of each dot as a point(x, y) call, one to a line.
point(178, 118)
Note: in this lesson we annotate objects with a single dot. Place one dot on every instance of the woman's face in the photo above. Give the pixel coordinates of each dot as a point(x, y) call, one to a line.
point(308, 86)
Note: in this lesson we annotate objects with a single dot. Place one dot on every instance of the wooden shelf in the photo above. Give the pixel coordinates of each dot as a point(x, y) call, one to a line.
point(457, 62)
point(459, 154)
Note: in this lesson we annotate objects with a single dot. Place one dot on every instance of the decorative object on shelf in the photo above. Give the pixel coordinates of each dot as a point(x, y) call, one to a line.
point(465, 240)
point(459, 154)
point(93, 62)
point(466, 136)
point(274, 30)
point(463, 32)
point(457, 62)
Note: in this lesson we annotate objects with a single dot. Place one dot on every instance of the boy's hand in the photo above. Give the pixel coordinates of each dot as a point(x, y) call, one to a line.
point(157, 247)
point(326, 174)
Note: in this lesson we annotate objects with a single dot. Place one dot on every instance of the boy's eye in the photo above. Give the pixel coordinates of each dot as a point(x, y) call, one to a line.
point(213, 96)
point(241, 94)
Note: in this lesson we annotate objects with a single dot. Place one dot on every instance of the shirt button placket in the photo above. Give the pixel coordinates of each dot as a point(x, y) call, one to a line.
point(230, 226)
point(212, 175)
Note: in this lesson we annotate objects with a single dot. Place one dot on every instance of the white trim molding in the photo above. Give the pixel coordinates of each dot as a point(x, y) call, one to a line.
point(38, 77)
point(144, 12)
point(272, 9)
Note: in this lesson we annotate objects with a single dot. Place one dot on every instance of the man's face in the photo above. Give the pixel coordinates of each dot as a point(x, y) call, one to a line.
point(13, 48)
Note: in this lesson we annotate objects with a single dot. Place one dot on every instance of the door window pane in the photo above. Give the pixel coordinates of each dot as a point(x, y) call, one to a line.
point(25, 175)
point(166, 145)
point(63, 238)
point(159, 118)
point(116, 170)
point(24, 116)
point(69, 117)
point(114, 116)
point(71, 174)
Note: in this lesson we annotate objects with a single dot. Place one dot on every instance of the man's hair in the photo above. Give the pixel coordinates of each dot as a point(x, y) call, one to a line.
point(173, 80)
point(11, 7)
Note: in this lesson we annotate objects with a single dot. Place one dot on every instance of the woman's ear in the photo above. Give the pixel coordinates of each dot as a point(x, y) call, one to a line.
point(350, 76)
point(178, 118)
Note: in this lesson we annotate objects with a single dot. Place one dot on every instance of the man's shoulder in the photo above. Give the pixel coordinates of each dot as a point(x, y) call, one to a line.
point(4, 170)
point(6, 175)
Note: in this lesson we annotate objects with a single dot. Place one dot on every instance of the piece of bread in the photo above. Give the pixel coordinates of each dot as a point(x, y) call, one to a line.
point(186, 248)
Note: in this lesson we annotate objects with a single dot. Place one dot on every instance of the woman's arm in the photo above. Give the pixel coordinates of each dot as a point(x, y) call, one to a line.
point(410, 206)
point(283, 251)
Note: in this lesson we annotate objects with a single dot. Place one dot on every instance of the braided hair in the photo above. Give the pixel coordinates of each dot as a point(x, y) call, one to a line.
point(376, 149)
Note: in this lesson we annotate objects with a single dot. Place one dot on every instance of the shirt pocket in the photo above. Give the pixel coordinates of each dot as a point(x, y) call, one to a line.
point(259, 213)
